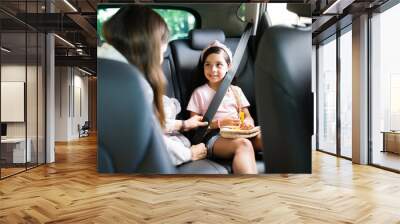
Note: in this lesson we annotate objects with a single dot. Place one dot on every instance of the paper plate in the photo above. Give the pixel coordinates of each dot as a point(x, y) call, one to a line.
point(228, 132)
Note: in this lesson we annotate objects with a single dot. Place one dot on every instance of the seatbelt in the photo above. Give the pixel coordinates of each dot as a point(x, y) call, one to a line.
point(219, 95)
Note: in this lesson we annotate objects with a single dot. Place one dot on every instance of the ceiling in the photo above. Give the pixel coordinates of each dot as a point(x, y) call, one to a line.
point(76, 23)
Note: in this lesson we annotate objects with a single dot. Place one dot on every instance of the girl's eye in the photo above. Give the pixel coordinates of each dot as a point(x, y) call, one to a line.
point(219, 65)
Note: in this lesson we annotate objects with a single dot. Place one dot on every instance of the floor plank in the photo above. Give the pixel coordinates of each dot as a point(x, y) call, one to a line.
point(71, 191)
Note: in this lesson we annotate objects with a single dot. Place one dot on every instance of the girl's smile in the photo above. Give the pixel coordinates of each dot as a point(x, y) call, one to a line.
point(215, 69)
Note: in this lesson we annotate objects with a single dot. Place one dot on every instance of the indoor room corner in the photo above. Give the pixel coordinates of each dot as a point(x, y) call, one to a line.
point(51, 117)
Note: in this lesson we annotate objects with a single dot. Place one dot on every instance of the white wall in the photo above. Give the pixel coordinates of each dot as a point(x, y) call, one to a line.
point(71, 102)
point(61, 103)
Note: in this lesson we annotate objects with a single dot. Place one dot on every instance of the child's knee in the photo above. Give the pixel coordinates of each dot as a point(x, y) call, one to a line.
point(244, 145)
point(242, 142)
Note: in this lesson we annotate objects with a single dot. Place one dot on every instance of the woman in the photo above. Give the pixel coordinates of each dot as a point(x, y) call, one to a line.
point(141, 36)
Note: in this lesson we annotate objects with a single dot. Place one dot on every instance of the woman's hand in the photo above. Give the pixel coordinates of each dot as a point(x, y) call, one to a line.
point(193, 122)
point(199, 151)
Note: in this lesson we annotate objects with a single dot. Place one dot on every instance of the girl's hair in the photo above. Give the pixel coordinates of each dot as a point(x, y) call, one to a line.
point(138, 33)
point(215, 50)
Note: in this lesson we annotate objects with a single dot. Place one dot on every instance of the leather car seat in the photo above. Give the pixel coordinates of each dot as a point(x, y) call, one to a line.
point(284, 98)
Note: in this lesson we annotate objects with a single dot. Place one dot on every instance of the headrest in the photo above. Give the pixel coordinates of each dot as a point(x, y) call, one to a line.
point(167, 52)
point(201, 38)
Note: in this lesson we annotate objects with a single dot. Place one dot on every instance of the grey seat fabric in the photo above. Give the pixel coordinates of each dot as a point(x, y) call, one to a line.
point(129, 137)
point(203, 166)
point(168, 66)
point(284, 98)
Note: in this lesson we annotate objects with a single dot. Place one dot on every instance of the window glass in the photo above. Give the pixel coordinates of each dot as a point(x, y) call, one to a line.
point(32, 101)
point(385, 88)
point(346, 94)
point(327, 97)
point(102, 15)
point(314, 90)
point(280, 15)
point(241, 13)
point(13, 65)
point(179, 21)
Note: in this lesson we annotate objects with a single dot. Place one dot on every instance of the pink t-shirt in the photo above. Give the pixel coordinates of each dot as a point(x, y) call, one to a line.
point(202, 96)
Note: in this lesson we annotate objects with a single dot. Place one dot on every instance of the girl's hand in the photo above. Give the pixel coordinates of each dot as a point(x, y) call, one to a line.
point(199, 151)
point(229, 122)
point(246, 125)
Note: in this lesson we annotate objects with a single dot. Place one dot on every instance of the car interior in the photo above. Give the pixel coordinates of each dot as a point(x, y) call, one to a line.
point(270, 74)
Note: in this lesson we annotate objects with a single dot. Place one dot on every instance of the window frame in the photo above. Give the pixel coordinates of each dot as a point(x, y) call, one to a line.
point(333, 37)
point(378, 10)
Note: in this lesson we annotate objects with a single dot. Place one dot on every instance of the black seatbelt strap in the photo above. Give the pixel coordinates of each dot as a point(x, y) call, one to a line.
point(219, 95)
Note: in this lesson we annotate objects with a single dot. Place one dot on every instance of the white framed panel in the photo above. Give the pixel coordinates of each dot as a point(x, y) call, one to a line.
point(12, 101)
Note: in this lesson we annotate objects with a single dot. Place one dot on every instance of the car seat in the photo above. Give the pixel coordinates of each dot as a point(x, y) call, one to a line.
point(284, 98)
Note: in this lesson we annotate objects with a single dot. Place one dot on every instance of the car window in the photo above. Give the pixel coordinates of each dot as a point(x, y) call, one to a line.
point(241, 12)
point(179, 21)
point(280, 15)
point(103, 14)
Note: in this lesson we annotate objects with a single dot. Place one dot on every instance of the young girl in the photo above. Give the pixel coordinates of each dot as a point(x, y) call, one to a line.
point(216, 60)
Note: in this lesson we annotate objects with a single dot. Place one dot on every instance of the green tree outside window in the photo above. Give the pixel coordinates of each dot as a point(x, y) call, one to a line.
point(179, 22)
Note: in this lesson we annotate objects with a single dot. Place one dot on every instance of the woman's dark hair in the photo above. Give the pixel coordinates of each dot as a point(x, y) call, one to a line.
point(138, 33)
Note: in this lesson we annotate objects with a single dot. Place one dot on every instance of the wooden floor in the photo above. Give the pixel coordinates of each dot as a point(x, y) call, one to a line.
point(71, 191)
point(10, 171)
